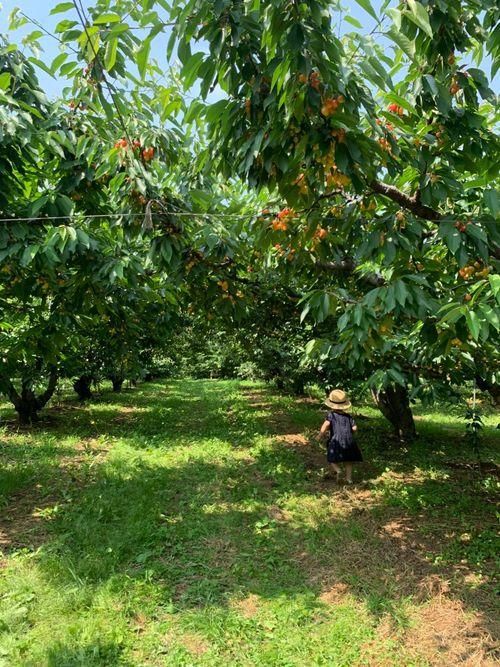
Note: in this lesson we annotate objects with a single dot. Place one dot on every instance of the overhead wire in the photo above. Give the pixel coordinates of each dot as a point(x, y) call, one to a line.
point(96, 216)
point(112, 90)
point(194, 214)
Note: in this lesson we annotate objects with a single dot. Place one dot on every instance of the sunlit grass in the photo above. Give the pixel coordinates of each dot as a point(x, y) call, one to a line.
point(179, 524)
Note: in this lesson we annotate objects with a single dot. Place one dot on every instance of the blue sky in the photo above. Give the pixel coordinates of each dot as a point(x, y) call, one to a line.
point(40, 10)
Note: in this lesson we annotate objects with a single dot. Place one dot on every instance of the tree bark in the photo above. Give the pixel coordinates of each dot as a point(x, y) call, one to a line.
point(298, 386)
point(82, 387)
point(26, 403)
point(492, 389)
point(117, 382)
point(412, 203)
point(394, 403)
point(27, 409)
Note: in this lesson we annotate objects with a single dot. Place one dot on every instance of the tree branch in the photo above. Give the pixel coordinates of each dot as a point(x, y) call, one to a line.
point(414, 205)
point(44, 398)
point(10, 391)
point(329, 195)
point(406, 201)
point(348, 266)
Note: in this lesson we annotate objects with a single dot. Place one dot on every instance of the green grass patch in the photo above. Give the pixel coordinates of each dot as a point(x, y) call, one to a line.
point(187, 522)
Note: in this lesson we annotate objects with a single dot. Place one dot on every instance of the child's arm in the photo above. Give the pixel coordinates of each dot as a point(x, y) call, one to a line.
point(324, 429)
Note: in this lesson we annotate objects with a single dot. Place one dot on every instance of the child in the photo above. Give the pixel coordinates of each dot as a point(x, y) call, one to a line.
point(341, 446)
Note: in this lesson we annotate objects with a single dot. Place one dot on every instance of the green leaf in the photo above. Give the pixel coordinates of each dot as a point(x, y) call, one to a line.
point(142, 57)
point(431, 84)
point(396, 376)
point(401, 292)
point(476, 232)
point(29, 253)
point(390, 298)
point(494, 280)
point(491, 315)
point(83, 238)
point(111, 17)
point(309, 348)
point(5, 80)
point(166, 251)
point(406, 45)
point(116, 272)
point(110, 54)
point(343, 321)
point(295, 37)
point(191, 68)
point(490, 198)
point(62, 7)
point(118, 28)
point(371, 297)
point(58, 61)
point(354, 22)
point(371, 74)
point(103, 169)
point(305, 312)
point(418, 14)
point(41, 65)
point(443, 100)
point(473, 323)
point(37, 205)
point(367, 6)
point(64, 204)
point(454, 314)
point(396, 16)
point(453, 240)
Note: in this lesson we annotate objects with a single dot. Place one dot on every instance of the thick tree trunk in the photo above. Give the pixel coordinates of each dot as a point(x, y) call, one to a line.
point(82, 387)
point(117, 382)
point(393, 402)
point(27, 409)
point(492, 389)
point(298, 387)
point(26, 403)
point(280, 382)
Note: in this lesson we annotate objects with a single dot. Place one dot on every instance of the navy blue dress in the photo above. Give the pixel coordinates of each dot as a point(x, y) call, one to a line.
point(341, 445)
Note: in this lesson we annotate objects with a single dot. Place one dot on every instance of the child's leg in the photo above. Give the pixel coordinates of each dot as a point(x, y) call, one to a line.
point(337, 468)
point(348, 472)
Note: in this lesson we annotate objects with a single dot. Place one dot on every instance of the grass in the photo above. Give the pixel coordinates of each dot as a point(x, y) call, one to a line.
point(188, 523)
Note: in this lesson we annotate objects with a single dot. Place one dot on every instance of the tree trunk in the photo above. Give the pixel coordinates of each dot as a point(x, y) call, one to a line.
point(27, 409)
point(26, 403)
point(393, 402)
point(82, 387)
point(492, 389)
point(298, 386)
point(117, 382)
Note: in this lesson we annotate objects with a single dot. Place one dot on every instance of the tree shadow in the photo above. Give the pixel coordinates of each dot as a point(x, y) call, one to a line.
point(160, 420)
point(206, 533)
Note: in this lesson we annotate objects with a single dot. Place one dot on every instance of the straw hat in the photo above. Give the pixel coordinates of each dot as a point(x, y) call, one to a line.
point(337, 399)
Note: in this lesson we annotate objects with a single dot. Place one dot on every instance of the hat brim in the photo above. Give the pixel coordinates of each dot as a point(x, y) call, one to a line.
point(338, 406)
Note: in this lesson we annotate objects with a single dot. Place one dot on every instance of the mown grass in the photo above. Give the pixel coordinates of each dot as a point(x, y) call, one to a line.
point(187, 523)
